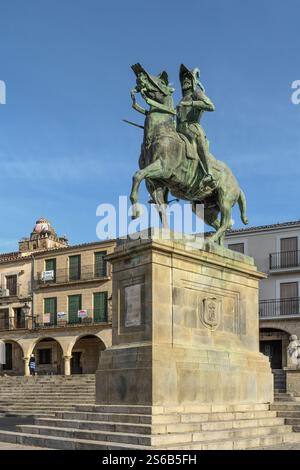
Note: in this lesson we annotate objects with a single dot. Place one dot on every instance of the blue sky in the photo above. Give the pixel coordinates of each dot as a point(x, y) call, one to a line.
point(64, 148)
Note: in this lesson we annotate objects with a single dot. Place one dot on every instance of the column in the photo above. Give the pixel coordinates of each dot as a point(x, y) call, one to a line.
point(67, 365)
point(26, 366)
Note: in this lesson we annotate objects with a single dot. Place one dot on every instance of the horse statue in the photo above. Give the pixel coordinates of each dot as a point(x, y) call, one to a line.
point(169, 161)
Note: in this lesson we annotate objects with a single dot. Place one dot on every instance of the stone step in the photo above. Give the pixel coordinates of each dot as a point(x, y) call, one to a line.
point(288, 414)
point(285, 406)
point(53, 442)
point(293, 422)
point(157, 428)
point(166, 418)
point(240, 444)
point(155, 410)
point(66, 443)
point(154, 440)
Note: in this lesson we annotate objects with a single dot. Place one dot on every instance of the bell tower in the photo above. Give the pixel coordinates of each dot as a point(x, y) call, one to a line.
point(42, 237)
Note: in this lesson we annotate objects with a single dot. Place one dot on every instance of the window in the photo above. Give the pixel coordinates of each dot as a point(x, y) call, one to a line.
point(288, 252)
point(100, 264)
point(289, 303)
point(239, 247)
point(11, 284)
point(50, 306)
point(4, 319)
point(74, 268)
point(50, 265)
point(100, 307)
point(44, 356)
point(74, 302)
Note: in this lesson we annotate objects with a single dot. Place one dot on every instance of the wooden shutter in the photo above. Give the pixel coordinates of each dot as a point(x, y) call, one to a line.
point(239, 247)
point(289, 303)
point(100, 264)
point(4, 319)
point(74, 306)
point(100, 307)
point(288, 252)
point(50, 265)
point(74, 268)
point(50, 306)
point(11, 284)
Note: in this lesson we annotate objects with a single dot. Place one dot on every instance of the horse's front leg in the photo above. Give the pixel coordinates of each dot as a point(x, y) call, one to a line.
point(225, 209)
point(153, 171)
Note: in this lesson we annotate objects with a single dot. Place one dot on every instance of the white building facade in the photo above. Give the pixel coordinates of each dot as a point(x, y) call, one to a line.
point(276, 250)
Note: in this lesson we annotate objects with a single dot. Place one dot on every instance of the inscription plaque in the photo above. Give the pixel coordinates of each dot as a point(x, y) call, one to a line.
point(133, 305)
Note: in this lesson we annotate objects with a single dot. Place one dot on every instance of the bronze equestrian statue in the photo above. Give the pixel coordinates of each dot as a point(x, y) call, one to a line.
point(175, 158)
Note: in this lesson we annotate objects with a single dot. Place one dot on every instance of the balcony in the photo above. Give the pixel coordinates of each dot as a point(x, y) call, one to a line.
point(91, 319)
point(279, 308)
point(285, 260)
point(66, 276)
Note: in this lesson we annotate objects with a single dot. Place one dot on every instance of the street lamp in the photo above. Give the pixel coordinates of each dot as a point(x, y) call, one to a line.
point(26, 309)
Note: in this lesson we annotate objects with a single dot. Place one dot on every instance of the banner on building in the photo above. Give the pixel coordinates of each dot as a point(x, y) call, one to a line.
point(47, 276)
point(61, 316)
point(82, 313)
point(47, 318)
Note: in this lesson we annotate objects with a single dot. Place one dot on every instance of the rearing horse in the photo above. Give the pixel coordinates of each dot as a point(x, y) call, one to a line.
point(166, 167)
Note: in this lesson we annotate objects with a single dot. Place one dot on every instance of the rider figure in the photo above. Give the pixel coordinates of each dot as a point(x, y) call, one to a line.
point(189, 112)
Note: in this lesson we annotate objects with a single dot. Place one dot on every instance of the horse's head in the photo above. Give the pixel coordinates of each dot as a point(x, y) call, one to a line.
point(155, 87)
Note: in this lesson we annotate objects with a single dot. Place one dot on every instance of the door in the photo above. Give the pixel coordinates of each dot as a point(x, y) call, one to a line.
point(288, 252)
point(8, 357)
point(50, 265)
point(100, 307)
point(4, 319)
point(74, 268)
point(75, 363)
point(11, 284)
point(272, 349)
point(74, 306)
point(289, 303)
point(50, 307)
point(19, 318)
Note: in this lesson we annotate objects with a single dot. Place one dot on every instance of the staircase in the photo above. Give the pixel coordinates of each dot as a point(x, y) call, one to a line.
point(287, 406)
point(25, 396)
point(205, 427)
point(279, 379)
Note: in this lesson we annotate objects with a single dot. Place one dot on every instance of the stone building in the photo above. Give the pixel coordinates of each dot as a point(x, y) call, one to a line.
point(60, 306)
point(275, 249)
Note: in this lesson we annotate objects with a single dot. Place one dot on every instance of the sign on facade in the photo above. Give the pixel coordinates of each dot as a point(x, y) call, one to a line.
point(82, 313)
point(47, 318)
point(61, 316)
point(47, 275)
point(133, 305)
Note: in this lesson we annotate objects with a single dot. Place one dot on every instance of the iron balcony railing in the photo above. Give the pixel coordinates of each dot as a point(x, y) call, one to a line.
point(279, 308)
point(285, 259)
point(62, 276)
point(93, 317)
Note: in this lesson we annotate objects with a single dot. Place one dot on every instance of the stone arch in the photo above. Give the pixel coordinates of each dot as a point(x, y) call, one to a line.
point(85, 352)
point(14, 357)
point(277, 328)
point(48, 351)
point(273, 343)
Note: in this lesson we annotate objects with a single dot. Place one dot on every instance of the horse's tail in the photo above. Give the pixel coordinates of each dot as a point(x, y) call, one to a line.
point(243, 207)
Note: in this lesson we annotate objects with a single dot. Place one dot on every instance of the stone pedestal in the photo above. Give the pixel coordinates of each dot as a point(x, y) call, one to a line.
point(185, 328)
point(293, 380)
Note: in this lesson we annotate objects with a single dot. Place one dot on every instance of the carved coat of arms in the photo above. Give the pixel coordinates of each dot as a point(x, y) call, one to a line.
point(211, 312)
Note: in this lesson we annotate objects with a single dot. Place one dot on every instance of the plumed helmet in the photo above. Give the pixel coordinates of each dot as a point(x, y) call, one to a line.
point(194, 75)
